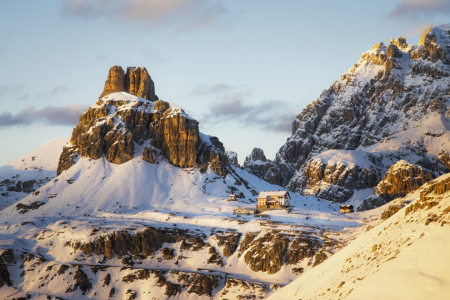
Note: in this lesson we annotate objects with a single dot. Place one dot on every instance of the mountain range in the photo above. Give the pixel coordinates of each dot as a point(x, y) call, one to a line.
point(135, 204)
point(391, 105)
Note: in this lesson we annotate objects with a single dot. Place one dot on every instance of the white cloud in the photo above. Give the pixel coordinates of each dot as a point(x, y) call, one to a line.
point(13, 92)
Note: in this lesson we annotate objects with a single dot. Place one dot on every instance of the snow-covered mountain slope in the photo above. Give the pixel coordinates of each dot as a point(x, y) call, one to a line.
point(142, 195)
point(352, 175)
point(146, 224)
point(392, 89)
point(404, 257)
point(27, 173)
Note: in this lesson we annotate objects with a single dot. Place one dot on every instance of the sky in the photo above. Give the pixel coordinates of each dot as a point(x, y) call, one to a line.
point(243, 69)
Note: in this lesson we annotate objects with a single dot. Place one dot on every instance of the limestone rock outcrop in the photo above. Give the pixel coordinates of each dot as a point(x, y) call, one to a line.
point(229, 243)
point(269, 251)
point(123, 243)
point(337, 181)
point(135, 81)
point(211, 151)
point(120, 121)
point(401, 179)
point(444, 158)
point(177, 135)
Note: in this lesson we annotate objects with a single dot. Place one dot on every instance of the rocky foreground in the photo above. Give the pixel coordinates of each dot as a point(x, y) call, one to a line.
point(406, 254)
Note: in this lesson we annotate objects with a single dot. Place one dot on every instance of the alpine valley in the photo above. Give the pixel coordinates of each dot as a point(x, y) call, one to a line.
point(139, 204)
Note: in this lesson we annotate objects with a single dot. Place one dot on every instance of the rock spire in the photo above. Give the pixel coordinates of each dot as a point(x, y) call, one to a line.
point(135, 81)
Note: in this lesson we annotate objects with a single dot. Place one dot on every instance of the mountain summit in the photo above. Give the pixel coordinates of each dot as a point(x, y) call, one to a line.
point(123, 124)
point(135, 81)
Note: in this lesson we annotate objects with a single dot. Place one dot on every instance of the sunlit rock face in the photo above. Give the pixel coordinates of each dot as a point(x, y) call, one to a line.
point(135, 81)
point(391, 89)
point(121, 122)
point(401, 179)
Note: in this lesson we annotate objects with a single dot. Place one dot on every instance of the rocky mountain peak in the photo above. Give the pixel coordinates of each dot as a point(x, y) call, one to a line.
point(232, 157)
point(257, 154)
point(129, 120)
point(400, 42)
point(424, 35)
point(392, 89)
point(135, 81)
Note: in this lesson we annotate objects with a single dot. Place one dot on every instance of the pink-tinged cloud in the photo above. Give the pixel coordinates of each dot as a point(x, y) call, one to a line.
point(268, 115)
point(184, 15)
point(52, 115)
point(421, 9)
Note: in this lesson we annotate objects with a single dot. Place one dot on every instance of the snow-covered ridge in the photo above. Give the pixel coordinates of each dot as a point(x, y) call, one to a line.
point(123, 101)
point(29, 172)
point(348, 158)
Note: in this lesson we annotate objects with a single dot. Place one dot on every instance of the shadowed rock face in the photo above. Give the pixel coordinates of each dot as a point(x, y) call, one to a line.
point(211, 151)
point(122, 243)
point(112, 127)
point(136, 81)
point(257, 164)
point(232, 158)
point(269, 251)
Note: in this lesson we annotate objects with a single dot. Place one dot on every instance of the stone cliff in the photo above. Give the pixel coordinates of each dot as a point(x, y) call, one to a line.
point(401, 179)
point(135, 81)
point(336, 181)
point(119, 122)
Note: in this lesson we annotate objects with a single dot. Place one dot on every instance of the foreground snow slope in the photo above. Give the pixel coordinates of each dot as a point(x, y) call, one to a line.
point(36, 167)
point(404, 257)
